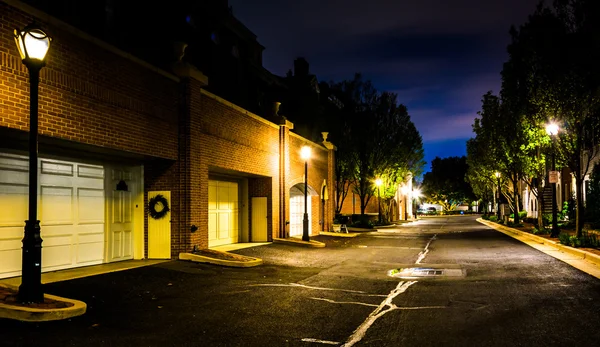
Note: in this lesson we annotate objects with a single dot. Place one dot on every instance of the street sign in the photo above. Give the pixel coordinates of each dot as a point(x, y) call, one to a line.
point(553, 176)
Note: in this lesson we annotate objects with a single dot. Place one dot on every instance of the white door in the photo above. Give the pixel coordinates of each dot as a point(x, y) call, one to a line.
point(297, 214)
point(121, 188)
point(259, 219)
point(70, 208)
point(223, 211)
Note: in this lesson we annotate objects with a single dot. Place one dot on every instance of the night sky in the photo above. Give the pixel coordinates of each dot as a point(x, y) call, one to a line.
point(439, 56)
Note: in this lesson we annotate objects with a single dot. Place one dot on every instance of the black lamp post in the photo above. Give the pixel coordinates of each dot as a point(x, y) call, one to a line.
point(305, 154)
point(33, 44)
point(378, 183)
point(552, 130)
point(497, 174)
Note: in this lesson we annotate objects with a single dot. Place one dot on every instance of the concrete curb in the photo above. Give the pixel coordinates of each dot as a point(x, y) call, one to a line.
point(231, 263)
point(328, 233)
point(361, 230)
point(297, 242)
point(591, 257)
point(28, 314)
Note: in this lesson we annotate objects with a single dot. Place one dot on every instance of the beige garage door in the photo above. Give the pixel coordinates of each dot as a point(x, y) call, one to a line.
point(223, 211)
point(70, 208)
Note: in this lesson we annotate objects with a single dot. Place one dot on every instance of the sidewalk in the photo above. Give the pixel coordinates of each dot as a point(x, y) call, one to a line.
point(581, 259)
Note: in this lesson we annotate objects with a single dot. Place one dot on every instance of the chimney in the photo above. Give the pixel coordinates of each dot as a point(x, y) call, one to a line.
point(301, 67)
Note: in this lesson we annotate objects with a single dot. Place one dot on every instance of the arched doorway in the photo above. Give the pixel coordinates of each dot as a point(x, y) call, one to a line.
point(297, 209)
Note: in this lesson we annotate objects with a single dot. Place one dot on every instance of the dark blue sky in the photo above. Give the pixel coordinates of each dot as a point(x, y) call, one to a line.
point(439, 56)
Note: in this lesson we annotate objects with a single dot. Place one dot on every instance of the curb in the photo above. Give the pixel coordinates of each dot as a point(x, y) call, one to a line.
point(591, 257)
point(297, 242)
point(28, 314)
point(329, 233)
point(361, 230)
point(231, 263)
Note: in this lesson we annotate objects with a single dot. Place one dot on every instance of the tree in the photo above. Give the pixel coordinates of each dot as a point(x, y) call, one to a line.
point(564, 46)
point(446, 184)
point(379, 140)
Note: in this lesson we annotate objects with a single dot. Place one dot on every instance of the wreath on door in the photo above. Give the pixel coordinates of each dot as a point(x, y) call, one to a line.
point(158, 207)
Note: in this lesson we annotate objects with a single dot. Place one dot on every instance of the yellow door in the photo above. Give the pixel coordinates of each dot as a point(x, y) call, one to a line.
point(223, 213)
point(259, 219)
point(159, 230)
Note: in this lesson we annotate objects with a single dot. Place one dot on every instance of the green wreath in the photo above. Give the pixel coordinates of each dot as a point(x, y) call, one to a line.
point(152, 207)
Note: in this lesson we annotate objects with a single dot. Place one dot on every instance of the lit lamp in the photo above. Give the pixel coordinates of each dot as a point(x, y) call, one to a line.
point(497, 174)
point(378, 183)
point(416, 193)
point(33, 44)
point(305, 155)
point(552, 130)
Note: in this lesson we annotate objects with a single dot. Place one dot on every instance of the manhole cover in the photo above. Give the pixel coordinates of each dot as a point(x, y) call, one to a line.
point(424, 272)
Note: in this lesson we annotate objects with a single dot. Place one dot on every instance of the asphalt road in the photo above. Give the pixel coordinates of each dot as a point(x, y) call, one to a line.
point(479, 288)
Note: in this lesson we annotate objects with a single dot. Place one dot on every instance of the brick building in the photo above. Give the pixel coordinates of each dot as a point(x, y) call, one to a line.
point(116, 131)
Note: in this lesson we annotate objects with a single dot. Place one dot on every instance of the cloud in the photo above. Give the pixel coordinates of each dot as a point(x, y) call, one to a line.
point(437, 125)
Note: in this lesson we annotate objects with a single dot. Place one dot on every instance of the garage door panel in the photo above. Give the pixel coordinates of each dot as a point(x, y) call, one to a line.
point(11, 258)
point(90, 204)
point(224, 225)
point(51, 168)
point(86, 171)
point(14, 163)
point(97, 237)
point(13, 201)
point(56, 205)
point(14, 177)
point(89, 253)
point(56, 256)
point(10, 243)
point(212, 225)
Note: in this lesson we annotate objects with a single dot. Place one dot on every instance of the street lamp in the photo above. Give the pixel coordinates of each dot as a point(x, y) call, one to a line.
point(497, 174)
point(305, 155)
point(416, 193)
point(33, 44)
point(378, 183)
point(552, 130)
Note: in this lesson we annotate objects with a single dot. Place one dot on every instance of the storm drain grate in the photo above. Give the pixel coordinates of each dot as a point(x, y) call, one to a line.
point(414, 272)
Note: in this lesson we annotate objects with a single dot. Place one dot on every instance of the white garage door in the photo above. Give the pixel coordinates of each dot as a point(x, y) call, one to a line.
point(223, 211)
point(70, 208)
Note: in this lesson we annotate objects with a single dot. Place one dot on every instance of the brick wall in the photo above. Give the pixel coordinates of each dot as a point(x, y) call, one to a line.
point(88, 94)
point(318, 166)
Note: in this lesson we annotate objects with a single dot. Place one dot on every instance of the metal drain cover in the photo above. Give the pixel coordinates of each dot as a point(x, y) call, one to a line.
point(425, 272)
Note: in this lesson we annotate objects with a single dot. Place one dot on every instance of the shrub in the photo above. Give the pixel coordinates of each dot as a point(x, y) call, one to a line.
point(493, 218)
point(362, 222)
point(522, 215)
point(564, 239)
point(547, 218)
point(486, 217)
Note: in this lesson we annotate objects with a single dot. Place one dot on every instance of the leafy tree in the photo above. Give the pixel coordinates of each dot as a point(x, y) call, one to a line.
point(379, 140)
point(446, 183)
point(593, 197)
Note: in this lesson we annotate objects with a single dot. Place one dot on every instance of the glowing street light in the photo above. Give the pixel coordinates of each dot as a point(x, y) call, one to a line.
point(33, 45)
point(552, 130)
point(305, 155)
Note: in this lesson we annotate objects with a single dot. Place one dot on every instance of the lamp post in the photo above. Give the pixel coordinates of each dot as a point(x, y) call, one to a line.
point(33, 44)
point(497, 174)
point(416, 193)
point(305, 155)
point(378, 183)
point(552, 130)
